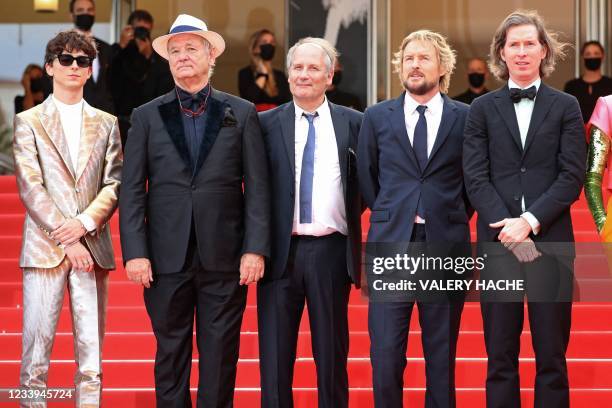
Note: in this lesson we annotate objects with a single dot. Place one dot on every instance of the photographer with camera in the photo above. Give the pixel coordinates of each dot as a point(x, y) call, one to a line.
point(138, 74)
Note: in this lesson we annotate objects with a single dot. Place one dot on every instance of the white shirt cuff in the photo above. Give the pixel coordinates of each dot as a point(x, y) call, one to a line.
point(532, 221)
point(87, 222)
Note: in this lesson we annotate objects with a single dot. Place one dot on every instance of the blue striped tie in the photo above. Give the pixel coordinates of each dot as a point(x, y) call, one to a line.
point(307, 173)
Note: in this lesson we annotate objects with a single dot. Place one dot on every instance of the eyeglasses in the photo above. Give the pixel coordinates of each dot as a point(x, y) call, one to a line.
point(66, 60)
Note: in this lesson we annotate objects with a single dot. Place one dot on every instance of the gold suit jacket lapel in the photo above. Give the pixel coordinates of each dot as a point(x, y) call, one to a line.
point(51, 123)
point(89, 135)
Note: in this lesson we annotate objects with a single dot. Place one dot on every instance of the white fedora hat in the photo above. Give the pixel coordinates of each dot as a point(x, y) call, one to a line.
point(186, 24)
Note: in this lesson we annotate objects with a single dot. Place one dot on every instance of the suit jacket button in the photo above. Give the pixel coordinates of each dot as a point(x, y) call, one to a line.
point(193, 187)
point(77, 190)
point(291, 193)
point(523, 170)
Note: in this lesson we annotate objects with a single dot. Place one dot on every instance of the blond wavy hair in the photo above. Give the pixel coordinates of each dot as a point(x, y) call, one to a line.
point(555, 49)
point(446, 55)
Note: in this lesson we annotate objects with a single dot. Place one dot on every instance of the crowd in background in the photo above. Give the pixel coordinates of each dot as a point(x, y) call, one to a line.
point(589, 87)
point(129, 73)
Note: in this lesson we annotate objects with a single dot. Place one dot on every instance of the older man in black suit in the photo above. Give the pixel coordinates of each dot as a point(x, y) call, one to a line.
point(195, 211)
point(524, 164)
point(316, 229)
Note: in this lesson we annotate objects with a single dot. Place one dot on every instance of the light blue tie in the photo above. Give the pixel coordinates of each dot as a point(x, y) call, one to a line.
point(307, 173)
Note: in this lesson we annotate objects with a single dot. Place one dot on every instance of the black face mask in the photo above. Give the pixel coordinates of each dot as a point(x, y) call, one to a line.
point(337, 78)
point(266, 51)
point(476, 80)
point(84, 21)
point(36, 85)
point(592, 64)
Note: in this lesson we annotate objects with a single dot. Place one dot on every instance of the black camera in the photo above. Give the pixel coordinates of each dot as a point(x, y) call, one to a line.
point(142, 33)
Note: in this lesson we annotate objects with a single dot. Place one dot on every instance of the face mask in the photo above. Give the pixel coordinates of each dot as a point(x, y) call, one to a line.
point(476, 80)
point(84, 22)
point(592, 64)
point(36, 85)
point(266, 51)
point(337, 78)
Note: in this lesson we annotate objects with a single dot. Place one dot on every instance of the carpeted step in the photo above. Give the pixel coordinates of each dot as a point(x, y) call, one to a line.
point(470, 372)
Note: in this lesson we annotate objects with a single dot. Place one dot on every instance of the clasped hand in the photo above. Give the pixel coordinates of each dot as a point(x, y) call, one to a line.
point(515, 236)
point(70, 232)
point(69, 235)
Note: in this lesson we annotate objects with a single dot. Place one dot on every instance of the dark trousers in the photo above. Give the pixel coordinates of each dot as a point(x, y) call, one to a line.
point(218, 303)
point(548, 289)
point(388, 325)
point(317, 275)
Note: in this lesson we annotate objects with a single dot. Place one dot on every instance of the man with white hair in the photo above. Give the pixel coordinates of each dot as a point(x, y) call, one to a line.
point(316, 230)
point(195, 214)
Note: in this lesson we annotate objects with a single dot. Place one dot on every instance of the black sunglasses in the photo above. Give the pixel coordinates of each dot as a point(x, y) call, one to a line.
point(66, 60)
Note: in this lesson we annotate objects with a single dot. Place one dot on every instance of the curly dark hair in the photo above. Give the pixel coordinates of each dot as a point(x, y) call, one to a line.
point(70, 40)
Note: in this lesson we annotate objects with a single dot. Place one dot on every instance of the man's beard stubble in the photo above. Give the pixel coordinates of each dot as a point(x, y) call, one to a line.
point(421, 89)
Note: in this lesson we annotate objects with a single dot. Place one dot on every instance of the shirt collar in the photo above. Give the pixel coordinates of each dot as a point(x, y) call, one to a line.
point(322, 110)
point(536, 83)
point(434, 105)
point(187, 97)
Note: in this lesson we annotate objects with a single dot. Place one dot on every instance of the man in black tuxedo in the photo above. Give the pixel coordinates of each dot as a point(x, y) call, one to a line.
point(316, 230)
point(411, 177)
point(195, 215)
point(524, 163)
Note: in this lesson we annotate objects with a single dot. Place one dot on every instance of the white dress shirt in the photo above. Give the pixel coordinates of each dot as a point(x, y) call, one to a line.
point(433, 116)
point(328, 211)
point(71, 118)
point(524, 110)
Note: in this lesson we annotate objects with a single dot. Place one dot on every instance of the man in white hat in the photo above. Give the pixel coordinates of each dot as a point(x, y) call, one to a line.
point(195, 213)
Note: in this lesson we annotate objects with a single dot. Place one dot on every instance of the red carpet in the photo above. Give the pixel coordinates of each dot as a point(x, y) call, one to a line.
point(130, 347)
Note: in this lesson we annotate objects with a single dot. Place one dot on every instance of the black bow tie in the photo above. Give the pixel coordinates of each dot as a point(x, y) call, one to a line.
point(192, 101)
point(517, 94)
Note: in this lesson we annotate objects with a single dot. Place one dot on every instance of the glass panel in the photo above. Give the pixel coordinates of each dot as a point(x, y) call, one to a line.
point(23, 36)
point(235, 20)
point(470, 25)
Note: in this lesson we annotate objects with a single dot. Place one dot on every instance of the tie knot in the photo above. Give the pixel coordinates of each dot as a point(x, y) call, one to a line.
point(310, 116)
point(421, 109)
point(196, 100)
point(517, 94)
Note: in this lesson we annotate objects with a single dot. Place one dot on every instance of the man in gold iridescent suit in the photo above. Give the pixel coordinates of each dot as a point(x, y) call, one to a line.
point(68, 164)
point(598, 129)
